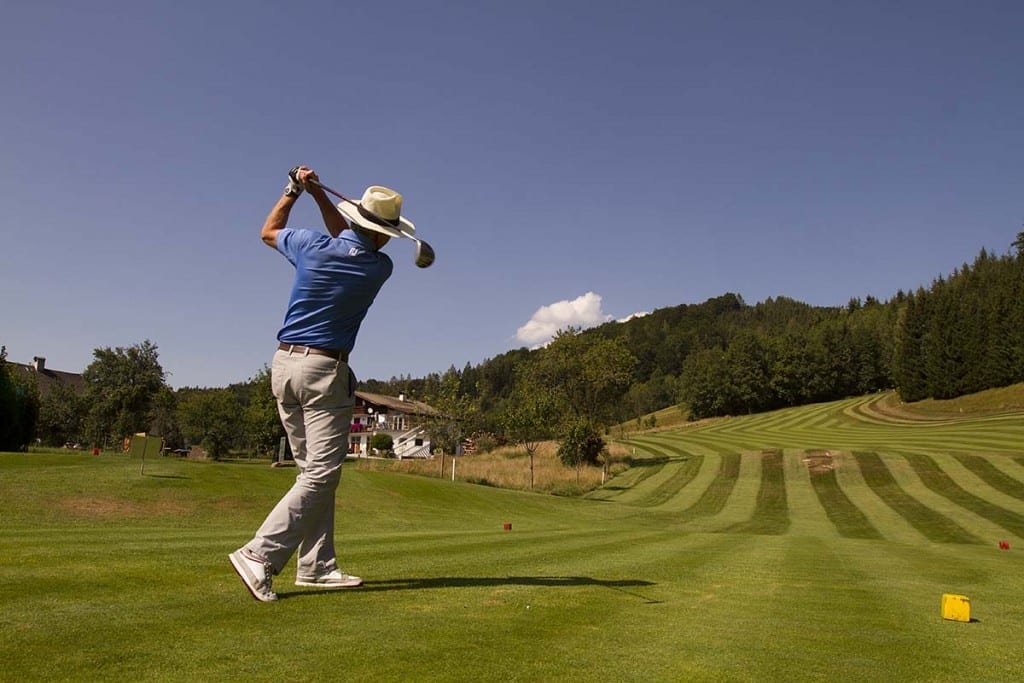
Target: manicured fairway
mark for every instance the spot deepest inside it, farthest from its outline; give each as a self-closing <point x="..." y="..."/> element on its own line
<point x="807" y="544"/>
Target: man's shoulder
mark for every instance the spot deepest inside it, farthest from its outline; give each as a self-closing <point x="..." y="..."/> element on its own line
<point x="292" y="239"/>
<point x="302" y="234"/>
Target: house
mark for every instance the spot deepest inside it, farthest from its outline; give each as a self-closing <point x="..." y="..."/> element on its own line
<point x="400" y="417"/>
<point x="45" y="378"/>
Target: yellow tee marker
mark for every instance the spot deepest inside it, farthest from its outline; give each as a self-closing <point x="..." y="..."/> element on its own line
<point x="956" y="607"/>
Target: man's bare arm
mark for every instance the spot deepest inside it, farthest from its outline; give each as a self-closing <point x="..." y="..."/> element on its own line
<point x="276" y="221"/>
<point x="333" y="220"/>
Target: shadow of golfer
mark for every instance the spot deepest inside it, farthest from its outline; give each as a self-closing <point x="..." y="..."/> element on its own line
<point x="621" y="586"/>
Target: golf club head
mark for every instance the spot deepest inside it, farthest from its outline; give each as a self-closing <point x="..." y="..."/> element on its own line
<point x="424" y="254"/>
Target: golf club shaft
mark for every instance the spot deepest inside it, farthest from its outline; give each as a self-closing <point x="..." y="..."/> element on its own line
<point x="330" y="191"/>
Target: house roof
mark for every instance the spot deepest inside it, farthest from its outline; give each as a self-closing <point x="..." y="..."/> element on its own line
<point x="398" y="404"/>
<point x="46" y="378"/>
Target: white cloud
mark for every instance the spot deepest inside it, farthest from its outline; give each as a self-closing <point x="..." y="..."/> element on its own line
<point x="584" y="311"/>
<point x="633" y="315"/>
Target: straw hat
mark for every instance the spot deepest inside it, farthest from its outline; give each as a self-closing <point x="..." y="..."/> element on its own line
<point x="379" y="210"/>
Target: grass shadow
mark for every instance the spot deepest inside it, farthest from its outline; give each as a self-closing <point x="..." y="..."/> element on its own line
<point x="430" y="583"/>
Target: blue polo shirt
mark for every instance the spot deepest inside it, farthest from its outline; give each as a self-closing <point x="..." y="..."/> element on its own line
<point x="336" y="280"/>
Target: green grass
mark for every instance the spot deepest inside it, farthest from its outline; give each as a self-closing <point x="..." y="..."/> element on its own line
<point x="991" y="475"/>
<point x="932" y="524"/>
<point x="848" y="519"/>
<point x="805" y="544"/>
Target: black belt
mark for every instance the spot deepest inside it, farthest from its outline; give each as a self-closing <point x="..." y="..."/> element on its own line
<point x="330" y="353"/>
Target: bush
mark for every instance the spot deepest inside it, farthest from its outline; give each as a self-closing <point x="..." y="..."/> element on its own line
<point x="19" y="409"/>
<point x="381" y="442"/>
<point x="581" y="445"/>
<point x="485" y="443"/>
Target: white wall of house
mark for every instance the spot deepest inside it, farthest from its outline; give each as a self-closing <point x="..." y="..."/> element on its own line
<point x="409" y="441"/>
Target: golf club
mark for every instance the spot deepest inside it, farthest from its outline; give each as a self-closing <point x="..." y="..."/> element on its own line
<point x="424" y="252"/>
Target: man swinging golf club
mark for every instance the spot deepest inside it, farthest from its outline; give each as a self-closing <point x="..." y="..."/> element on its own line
<point x="337" y="278"/>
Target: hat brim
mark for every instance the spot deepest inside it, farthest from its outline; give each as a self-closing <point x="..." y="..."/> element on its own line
<point x="351" y="213"/>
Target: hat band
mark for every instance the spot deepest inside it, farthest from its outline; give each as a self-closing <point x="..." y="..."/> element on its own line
<point x="374" y="218"/>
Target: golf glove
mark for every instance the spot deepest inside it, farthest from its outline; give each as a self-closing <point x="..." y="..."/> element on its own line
<point x="294" y="187"/>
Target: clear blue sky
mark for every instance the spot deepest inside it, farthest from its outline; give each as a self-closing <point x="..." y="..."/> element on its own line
<point x="570" y="162"/>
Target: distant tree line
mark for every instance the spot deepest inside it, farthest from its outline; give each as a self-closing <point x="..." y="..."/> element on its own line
<point x="126" y="393"/>
<point x="963" y="334"/>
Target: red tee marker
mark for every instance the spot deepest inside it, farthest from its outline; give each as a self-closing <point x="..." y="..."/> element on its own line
<point x="1004" y="545"/>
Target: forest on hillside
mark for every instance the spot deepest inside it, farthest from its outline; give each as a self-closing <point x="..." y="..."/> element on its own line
<point x="964" y="333"/>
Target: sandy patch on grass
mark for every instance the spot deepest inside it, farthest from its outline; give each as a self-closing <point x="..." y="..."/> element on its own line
<point x="819" y="462"/>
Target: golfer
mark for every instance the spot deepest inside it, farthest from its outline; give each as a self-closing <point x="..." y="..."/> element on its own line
<point x="337" y="278"/>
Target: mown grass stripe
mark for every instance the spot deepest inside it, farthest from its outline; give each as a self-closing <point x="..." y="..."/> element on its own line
<point x="934" y="526"/>
<point x="838" y="425"/>
<point x="992" y="475"/>
<point x="806" y="514"/>
<point x="659" y="441"/>
<point x="893" y="526"/>
<point x="695" y="487"/>
<point x="684" y="473"/>
<point x="941" y="483"/>
<point x="657" y="484"/>
<point x="642" y="468"/>
<point x="847" y="518"/>
<point x="717" y="494"/>
<point x="771" y="514"/>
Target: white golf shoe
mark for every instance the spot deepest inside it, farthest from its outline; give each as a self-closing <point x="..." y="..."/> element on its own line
<point x="331" y="579"/>
<point x="257" y="576"/>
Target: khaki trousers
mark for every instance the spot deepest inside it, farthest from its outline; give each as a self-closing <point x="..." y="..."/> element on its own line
<point x="315" y="397"/>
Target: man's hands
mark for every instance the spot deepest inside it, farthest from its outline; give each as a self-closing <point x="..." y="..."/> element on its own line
<point x="294" y="187"/>
<point x="298" y="179"/>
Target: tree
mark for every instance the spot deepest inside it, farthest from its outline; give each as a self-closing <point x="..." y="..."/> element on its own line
<point x="529" y="417"/>
<point x="19" y="408"/>
<point x="121" y="384"/>
<point x="454" y="415"/>
<point x="60" y="416"/>
<point x="164" y="421"/>
<point x="582" y="445"/>
<point x="262" y="420"/>
<point x="908" y="368"/>
<point x="748" y="372"/>
<point x="211" y="417"/>
<point x="706" y="388"/>
<point x="587" y="376"/>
